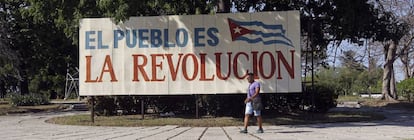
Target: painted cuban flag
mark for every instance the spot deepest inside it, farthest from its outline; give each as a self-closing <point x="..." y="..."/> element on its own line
<point x="259" y="32"/>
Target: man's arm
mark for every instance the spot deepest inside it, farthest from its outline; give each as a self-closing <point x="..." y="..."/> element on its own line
<point x="256" y="93"/>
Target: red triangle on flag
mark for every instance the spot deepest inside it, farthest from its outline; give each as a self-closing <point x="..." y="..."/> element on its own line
<point x="237" y="30"/>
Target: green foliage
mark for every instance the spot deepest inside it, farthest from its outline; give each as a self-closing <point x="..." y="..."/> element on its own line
<point x="66" y="14"/>
<point x="369" y="81"/>
<point x="129" y="104"/>
<point x="324" y="97"/>
<point x="104" y="105"/>
<point x="378" y="87"/>
<point x="177" y="104"/>
<point x="283" y="103"/>
<point x="330" y="78"/>
<point x="348" y="60"/>
<point x="28" y="100"/>
<point x="45" y="83"/>
<point x="346" y="81"/>
<point x="222" y="105"/>
<point x="36" y="51"/>
<point x="406" y="89"/>
<point x="216" y="105"/>
<point x="212" y="105"/>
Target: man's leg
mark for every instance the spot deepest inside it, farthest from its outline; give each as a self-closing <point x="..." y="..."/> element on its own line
<point x="246" y="120"/>
<point x="259" y="122"/>
<point x="247" y="113"/>
<point x="258" y="115"/>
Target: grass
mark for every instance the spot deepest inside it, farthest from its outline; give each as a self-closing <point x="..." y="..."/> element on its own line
<point x="330" y="117"/>
<point x="4" y="101"/>
<point x="342" y="98"/>
<point x="291" y="119"/>
<point x="355" y="98"/>
<point x="6" y="108"/>
<point x="70" y="99"/>
<point x="135" y="120"/>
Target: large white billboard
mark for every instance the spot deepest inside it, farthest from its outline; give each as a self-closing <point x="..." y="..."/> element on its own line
<point x="191" y="54"/>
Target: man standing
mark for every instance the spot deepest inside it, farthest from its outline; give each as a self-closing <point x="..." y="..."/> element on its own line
<point x="253" y="103"/>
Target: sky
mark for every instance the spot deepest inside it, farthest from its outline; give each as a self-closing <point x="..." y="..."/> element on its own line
<point x="362" y="53"/>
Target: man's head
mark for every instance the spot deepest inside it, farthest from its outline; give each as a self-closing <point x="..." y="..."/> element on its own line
<point x="250" y="77"/>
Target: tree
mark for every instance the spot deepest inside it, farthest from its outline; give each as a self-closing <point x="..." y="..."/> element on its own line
<point x="13" y="37"/>
<point x="406" y="54"/>
<point x="390" y="31"/>
<point x="65" y="15"/>
<point x="7" y="56"/>
<point x="318" y="18"/>
<point x="337" y="20"/>
<point x="406" y="88"/>
<point x="32" y="49"/>
<point x="349" y="60"/>
<point x="404" y="11"/>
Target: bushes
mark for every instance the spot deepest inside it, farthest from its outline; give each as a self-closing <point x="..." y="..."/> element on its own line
<point x="128" y="104"/>
<point x="217" y="105"/>
<point x="222" y="105"/>
<point x="104" y="105"/>
<point x="324" y="98"/>
<point x="346" y="81"/>
<point x="179" y="104"/>
<point x="406" y="89"/>
<point x="109" y="105"/>
<point x="28" y="100"/>
<point x="283" y="103"/>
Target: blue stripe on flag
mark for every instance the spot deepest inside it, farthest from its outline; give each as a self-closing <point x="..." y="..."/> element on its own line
<point x="259" y="23"/>
<point x="266" y="35"/>
<point x="242" y="38"/>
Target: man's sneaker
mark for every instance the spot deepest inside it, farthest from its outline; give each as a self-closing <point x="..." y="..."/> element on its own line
<point x="243" y="131"/>
<point x="260" y="130"/>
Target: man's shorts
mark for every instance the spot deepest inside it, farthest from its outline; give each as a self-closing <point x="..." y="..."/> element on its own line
<point x="249" y="110"/>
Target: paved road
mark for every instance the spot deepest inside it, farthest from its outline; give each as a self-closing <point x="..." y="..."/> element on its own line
<point x="398" y="126"/>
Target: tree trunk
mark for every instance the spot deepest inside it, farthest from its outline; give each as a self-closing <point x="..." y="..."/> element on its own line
<point x="24" y="86"/>
<point x="408" y="73"/>
<point x="388" y="84"/>
<point x="393" y="89"/>
<point x="24" y="81"/>
<point x="223" y="6"/>
<point x="406" y="62"/>
<point x="2" y="89"/>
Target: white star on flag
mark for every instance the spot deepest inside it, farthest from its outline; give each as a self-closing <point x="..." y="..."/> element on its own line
<point x="237" y="30"/>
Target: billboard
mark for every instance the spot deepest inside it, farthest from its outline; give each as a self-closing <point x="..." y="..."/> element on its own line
<point x="190" y="54"/>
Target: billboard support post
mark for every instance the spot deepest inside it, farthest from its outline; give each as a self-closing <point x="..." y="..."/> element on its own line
<point x="93" y="109"/>
<point x="196" y="105"/>
<point x="142" y="109"/>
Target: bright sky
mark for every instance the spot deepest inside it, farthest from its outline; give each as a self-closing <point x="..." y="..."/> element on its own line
<point x="362" y="54"/>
